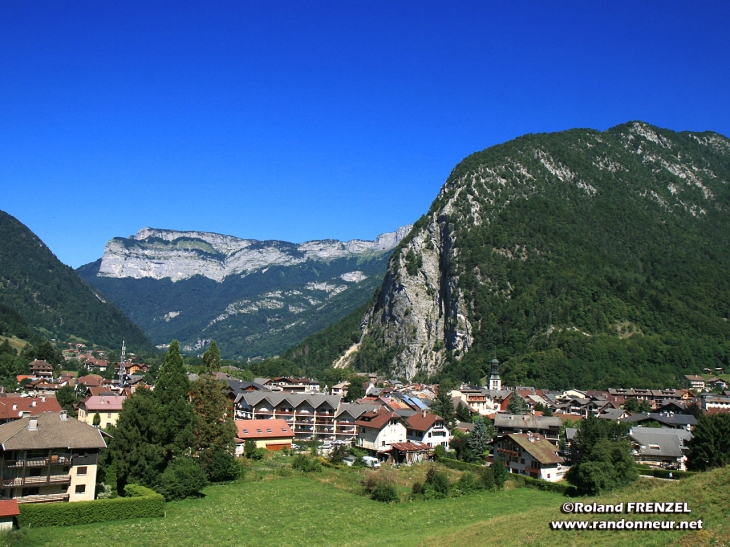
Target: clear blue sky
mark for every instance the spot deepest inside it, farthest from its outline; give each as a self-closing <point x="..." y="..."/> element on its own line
<point x="309" y="120"/>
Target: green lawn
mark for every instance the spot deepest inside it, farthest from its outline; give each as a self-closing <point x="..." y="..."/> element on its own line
<point x="293" y="511"/>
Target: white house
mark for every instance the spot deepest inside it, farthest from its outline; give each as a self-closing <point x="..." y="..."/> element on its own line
<point x="531" y="454"/>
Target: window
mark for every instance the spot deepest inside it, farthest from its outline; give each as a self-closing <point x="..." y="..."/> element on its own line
<point x="80" y="488"/>
<point x="268" y="430"/>
<point x="108" y="414"/>
<point x="81" y="470"/>
<point x="245" y="431"/>
<point x="258" y="430"/>
<point x="283" y="429"/>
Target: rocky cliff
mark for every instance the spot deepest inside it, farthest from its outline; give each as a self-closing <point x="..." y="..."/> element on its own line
<point x="161" y="254"/>
<point x="553" y="245"/>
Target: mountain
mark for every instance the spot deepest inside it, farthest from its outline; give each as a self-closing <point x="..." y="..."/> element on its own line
<point x="582" y="258"/>
<point x="37" y="289"/>
<point x="254" y="298"/>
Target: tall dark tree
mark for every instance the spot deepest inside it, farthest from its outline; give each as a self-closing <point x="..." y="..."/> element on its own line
<point x="516" y="404"/>
<point x="135" y="445"/>
<point x="213" y="426"/>
<point x="47" y="353"/>
<point x="175" y="413"/>
<point x="480" y="437"/>
<point x="212" y="359"/>
<point x="463" y="413"/>
<point x="442" y="405"/>
<point x="355" y="390"/>
<point x="710" y="446"/>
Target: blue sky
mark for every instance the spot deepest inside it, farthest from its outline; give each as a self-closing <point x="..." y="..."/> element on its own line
<point x="312" y="120"/>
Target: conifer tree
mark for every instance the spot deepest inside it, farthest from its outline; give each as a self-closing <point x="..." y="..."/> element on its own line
<point x="175" y="412"/>
<point x="480" y="437"/>
<point x="516" y="404"/>
<point x="212" y="359"/>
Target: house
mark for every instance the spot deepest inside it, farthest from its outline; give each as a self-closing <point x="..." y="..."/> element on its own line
<point x="346" y="419"/>
<point x="695" y="382"/>
<point x="108" y="407"/>
<point x="270" y="434"/>
<point x="428" y="429"/>
<point x="41" y="369"/>
<point x="378" y="430"/>
<point x="661" y="447"/>
<point x="9" y="510"/>
<point x="340" y="389"/>
<point x="547" y="426"/>
<point x="49" y="457"/>
<point x="92" y="362"/>
<point x="531" y="454"/>
<point x="15" y="408"/>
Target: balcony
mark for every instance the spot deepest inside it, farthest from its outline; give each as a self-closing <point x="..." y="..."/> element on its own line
<point x="55" y="459"/>
<point x="42" y="498"/>
<point x="36" y="481"/>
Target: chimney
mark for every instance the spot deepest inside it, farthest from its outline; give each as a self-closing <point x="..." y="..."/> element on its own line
<point x="423" y="412"/>
<point x="43" y="399"/>
<point x="32" y="403"/>
<point x="15" y="407"/>
<point x="64" y="415"/>
<point x="33" y="424"/>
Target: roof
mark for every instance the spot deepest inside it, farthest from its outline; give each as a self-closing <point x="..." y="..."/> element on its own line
<point x="52" y="432"/>
<point x="657" y="444"/>
<point x="90" y="380"/>
<point x="275" y="398"/>
<point x="9" y="508"/>
<point x="526" y="421"/>
<point x="419" y="422"/>
<point x="16" y="407"/>
<point x="377" y="419"/>
<point x="411" y="447"/>
<point x="540" y="449"/>
<point x="356" y="409"/>
<point x="103" y="403"/>
<point x="263" y="429"/>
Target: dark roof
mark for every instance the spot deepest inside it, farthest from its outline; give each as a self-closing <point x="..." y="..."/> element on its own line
<point x="51" y="432"/>
<point x="541" y="449"/>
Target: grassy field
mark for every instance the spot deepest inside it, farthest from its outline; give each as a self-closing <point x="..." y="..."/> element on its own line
<point x="16" y="343"/>
<point x="267" y="509"/>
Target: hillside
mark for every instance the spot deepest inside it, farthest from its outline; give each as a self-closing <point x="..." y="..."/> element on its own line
<point x="38" y="291"/>
<point x="584" y="258"/>
<point x="254" y="298"/>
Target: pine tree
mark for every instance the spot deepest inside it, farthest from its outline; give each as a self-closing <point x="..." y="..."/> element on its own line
<point x="516" y="404"/>
<point x="480" y="437"/>
<point x="175" y="412"/>
<point x="442" y="405"/>
<point x="212" y="359"/>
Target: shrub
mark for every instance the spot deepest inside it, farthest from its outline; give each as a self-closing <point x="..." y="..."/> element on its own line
<point x="307" y="464"/>
<point x="183" y="478"/>
<point x="469" y="483"/>
<point x="417" y="489"/>
<point x="140" y="502"/>
<point x="439" y="452"/>
<point x="220" y="465"/>
<point x="385" y="492"/>
<point x="439" y="482"/>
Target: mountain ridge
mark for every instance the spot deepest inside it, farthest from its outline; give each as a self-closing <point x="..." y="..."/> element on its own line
<point x="553" y="242"/>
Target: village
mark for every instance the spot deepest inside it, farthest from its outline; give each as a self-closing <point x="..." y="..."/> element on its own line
<point x="50" y="456"/>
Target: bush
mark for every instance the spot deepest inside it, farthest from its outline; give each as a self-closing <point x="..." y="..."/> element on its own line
<point x="219" y="466"/>
<point x="385" y="492"/>
<point x="140" y="502"/>
<point x="439" y="452"/>
<point x="183" y="478"/>
<point x="438" y="481"/>
<point x="417" y="489"/>
<point x="307" y="464"/>
<point x="468" y="483"/>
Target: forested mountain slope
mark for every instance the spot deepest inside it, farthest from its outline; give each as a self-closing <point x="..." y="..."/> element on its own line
<point x="583" y="258"/>
<point x="50" y="295"/>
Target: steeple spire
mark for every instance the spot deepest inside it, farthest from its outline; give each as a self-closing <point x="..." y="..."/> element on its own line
<point x="495" y="382"/>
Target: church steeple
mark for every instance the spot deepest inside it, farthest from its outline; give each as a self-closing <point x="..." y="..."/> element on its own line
<point x="495" y="382"/>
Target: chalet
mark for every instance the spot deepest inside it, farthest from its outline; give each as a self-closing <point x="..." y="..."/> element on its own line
<point x="340" y="389"/>
<point x="271" y="434"/>
<point x="547" y="426"/>
<point x="108" y="407"/>
<point x="531" y="454"/>
<point x="661" y="447"/>
<point x="49" y="457"/>
<point x="378" y="430"/>
<point x="428" y="429"/>
<point x="41" y="369"/>
<point x="695" y="382"/>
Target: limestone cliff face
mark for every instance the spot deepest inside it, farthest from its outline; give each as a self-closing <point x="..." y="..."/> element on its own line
<point x="177" y="255"/>
<point x="425" y="308"/>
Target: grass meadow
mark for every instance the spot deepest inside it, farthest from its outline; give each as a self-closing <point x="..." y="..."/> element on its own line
<point x="324" y="509"/>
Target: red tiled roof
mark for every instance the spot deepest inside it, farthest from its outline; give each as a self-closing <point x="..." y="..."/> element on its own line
<point x="103" y="403"/>
<point x="377" y="419"/>
<point x="11" y="408"/>
<point x="263" y="429"/>
<point x="91" y="380"/>
<point x="9" y="508"/>
<point x="411" y="447"/>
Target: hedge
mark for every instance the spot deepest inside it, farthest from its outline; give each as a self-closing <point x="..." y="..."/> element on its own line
<point x="663" y="473"/>
<point x="560" y="487"/>
<point x="140" y="502"/>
